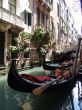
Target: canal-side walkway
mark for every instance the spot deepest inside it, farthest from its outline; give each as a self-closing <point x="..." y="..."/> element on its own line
<point x="3" y="71"/>
<point x="35" y="70"/>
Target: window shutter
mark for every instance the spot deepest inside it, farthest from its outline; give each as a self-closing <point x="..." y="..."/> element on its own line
<point x="26" y="18"/>
<point x="29" y="19"/>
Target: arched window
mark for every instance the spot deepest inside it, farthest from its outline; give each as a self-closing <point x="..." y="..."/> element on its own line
<point x="38" y="16"/>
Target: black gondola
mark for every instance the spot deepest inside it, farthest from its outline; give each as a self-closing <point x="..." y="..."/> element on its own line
<point x="18" y="83"/>
<point x="53" y="66"/>
<point x="68" y="55"/>
<point x="79" y="76"/>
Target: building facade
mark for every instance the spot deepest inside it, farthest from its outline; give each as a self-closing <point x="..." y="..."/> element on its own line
<point x="21" y="15"/>
<point x="41" y="13"/>
<point x="66" y="27"/>
<point x="25" y="15"/>
<point x="10" y="26"/>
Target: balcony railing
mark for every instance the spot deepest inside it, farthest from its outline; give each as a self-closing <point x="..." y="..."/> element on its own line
<point x="48" y="2"/>
<point x="9" y="17"/>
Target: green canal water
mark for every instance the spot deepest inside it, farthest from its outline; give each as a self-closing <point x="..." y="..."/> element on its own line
<point x="61" y="100"/>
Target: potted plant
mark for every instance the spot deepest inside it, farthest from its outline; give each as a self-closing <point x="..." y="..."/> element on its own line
<point x="14" y="51"/>
<point x="40" y="37"/>
<point x="43" y="51"/>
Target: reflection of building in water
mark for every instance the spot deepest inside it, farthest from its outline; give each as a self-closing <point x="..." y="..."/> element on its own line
<point x="68" y="105"/>
<point x="80" y="94"/>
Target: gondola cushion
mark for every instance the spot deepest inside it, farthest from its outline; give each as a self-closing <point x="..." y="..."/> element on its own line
<point x="37" y="79"/>
<point x="66" y="74"/>
<point x="58" y="72"/>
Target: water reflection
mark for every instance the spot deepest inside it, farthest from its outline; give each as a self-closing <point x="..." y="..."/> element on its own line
<point x="69" y="105"/>
<point x="61" y="100"/>
<point x="66" y="99"/>
<point x="80" y="94"/>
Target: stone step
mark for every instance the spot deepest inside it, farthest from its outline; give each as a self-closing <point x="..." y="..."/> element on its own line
<point x="2" y="67"/>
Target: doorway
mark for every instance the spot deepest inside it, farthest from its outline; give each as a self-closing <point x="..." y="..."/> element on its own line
<point x="1" y="48"/>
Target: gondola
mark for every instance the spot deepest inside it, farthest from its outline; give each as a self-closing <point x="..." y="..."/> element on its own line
<point x="20" y="83"/>
<point x="79" y="76"/>
<point x="68" y="56"/>
<point x="53" y="66"/>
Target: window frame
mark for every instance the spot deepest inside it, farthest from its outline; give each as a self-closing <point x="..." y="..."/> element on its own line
<point x="10" y="5"/>
<point x="27" y="16"/>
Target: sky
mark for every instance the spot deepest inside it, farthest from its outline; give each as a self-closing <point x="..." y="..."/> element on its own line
<point x="76" y="12"/>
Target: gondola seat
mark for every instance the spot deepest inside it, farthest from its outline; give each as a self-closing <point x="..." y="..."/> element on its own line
<point x="35" y="79"/>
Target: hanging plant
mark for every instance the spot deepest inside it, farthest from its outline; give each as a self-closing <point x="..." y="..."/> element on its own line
<point x="13" y="49"/>
<point x="26" y="36"/>
<point x="40" y="37"/>
<point x="43" y="51"/>
<point x="45" y="38"/>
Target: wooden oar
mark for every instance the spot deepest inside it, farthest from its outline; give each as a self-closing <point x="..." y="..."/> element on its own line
<point x="40" y="89"/>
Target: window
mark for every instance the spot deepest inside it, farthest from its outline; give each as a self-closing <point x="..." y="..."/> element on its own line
<point x="38" y="16"/>
<point x="0" y="2"/>
<point x="72" y="25"/>
<point x="28" y="18"/>
<point x="58" y="32"/>
<point x="43" y="18"/>
<point x="12" y="6"/>
<point x="58" y="9"/>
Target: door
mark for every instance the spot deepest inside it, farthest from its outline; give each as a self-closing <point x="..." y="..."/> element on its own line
<point x="1" y="48"/>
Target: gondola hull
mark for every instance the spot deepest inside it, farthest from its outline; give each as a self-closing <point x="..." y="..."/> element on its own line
<point x="79" y="76"/>
<point x="56" y="65"/>
<point x="23" y="85"/>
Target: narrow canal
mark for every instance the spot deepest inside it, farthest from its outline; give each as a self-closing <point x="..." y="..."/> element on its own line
<point x="60" y="100"/>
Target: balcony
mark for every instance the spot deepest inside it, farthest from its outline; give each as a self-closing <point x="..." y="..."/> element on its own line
<point x="48" y="3"/>
<point x="9" y="17"/>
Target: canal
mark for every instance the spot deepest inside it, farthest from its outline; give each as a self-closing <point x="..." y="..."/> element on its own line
<point x="59" y="100"/>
